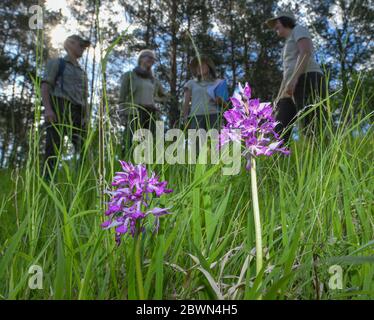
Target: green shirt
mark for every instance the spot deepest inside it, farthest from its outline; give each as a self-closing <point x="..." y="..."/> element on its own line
<point x="139" y="91"/>
<point x="75" y="84"/>
<point x="291" y="52"/>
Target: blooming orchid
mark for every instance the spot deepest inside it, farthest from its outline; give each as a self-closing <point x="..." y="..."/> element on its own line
<point x="129" y="200"/>
<point x="256" y="125"/>
<point x="252" y="122"/>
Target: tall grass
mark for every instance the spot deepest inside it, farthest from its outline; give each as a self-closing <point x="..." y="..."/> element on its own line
<point x="316" y="211"/>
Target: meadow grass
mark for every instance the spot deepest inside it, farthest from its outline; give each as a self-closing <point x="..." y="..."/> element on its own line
<point x="316" y="208"/>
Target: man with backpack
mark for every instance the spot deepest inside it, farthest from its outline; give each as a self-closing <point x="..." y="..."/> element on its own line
<point x="64" y="93"/>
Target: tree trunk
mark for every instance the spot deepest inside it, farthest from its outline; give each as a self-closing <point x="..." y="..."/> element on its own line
<point x="148" y="24"/>
<point x="232" y="44"/>
<point x="173" y="113"/>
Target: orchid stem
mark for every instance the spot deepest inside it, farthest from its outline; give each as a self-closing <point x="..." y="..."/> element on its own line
<point x="256" y="216"/>
<point x="138" y="267"/>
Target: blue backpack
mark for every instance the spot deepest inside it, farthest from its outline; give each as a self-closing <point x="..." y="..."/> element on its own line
<point x="222" y="91"/>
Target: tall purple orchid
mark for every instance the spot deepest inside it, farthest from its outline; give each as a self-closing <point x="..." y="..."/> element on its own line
<point x="252" y="122"/>
<point x="256" y="125"/>
<point x="129" y="201"/>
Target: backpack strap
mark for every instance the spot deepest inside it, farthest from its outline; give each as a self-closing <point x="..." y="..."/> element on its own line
<point x="60" y="73"/>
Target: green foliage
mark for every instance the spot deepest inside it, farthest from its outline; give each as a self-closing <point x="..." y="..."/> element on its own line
<point x="316" y="211"/>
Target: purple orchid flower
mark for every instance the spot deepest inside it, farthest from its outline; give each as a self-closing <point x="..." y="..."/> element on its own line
<point x="133" y="189"/>
<point x="256" y="125"/>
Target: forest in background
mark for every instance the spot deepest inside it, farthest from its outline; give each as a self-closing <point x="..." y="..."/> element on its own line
<point x="231" y="32"/>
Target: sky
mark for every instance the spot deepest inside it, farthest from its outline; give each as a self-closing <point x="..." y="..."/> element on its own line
<point x="61" y="31"/>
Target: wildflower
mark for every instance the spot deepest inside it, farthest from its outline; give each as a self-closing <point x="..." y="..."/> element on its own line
<point x="256" y="124"/>
<point x="129" y="201"/>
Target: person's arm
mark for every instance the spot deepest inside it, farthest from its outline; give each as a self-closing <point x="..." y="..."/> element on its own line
<point x="161" y="95"/>
<point x="305" y="48"/>
<point x="186" y="104"/>
<point x="124" y="90"/>
<point x="50" y="116"/>
<point x="49" y="80"/>
<point x="87" y="109"/>
<point x="281" y="92"/>
<point x="220" y="102"/>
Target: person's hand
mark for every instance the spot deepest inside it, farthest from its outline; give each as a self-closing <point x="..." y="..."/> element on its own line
<point x="290" y="87"/>
<point x="50" y="116"/>
<point x="221" y="103"/>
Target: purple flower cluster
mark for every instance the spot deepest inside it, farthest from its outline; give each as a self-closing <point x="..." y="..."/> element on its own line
<point x="252" y="122"/>
<point x="130" y="199"/>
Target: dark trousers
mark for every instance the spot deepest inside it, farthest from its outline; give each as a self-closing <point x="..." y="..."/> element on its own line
<point x="138" y="119"/>
<point x="69" y="122"/>
<point x="310" y="88"/>
<point x="206" y="122"/>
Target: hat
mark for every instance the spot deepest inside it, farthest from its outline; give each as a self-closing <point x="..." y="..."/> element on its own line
<point x="83" y="42"/>
<point x="197" y="61"/>
<point x="146" y="53"/>
<point x="272" y="21"/>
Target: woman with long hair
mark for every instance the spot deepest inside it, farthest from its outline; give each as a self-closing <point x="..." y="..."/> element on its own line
<point x="202" y="102"/>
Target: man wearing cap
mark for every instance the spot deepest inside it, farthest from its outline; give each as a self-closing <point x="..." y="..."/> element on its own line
<point x="64" y="93"/>
<point x="139" y="92"/>
<point x="302" y="76"/>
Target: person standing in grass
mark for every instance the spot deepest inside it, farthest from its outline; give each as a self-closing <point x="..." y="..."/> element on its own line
<point x="139" y="92"/>
<point x="202" y="105"/>
<point x="303" y="80"/>
<point x="64" y="92"/>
